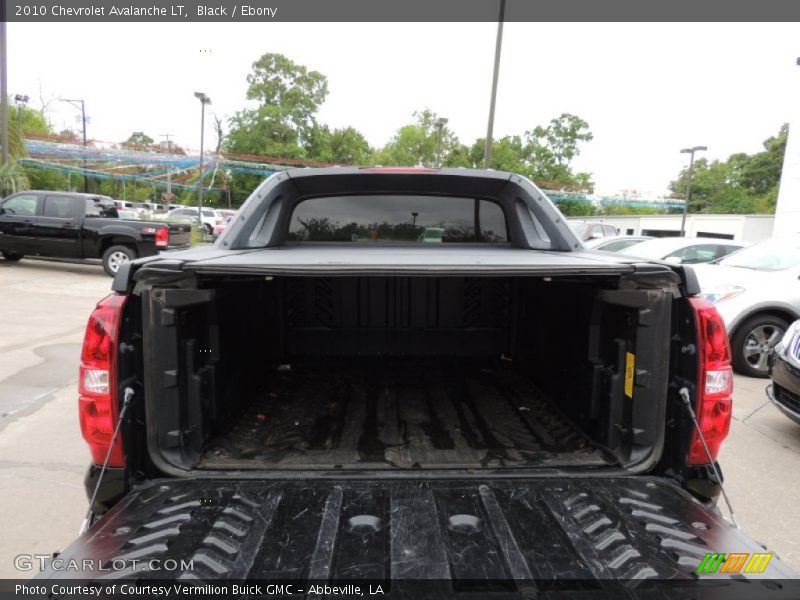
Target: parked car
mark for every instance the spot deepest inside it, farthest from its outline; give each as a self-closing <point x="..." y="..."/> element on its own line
<point x="74" y="225"/>
<point x="152" y="207"/>
<point x="784" y="370"/>
<point x="124" y="205"/>
<point x="592" y="230"/>
<point x="219" y="228"/>
<point x="757" y="292"/>
<point x="128" y="214"/>
<point x="684" y="250"/>
<point x="615" y="243"/>
<point x="320" y="398"/>
<point x="209" y="218"/>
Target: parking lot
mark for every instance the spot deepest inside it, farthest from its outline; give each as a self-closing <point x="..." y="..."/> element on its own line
<point x="45" y="304"/>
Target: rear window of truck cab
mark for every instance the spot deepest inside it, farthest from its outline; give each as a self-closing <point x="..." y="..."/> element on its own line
<point x="398" y="219"/>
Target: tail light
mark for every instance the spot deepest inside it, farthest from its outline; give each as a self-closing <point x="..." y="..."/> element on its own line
<point x="162" y="237"/>
<point x="98" y="405"/>
<point x="715" y="382"/>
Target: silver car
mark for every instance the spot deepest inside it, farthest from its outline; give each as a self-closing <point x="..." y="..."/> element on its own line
<point x="757" y="292"/>
<point x="684" y="250"/>
<point x="615" y="243"/>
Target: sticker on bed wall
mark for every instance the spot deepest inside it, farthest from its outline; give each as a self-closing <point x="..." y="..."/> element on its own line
<point x="630" y="370"/>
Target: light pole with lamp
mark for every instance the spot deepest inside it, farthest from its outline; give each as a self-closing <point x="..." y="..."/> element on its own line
<point x="204" y="99"/>
<point x="82" y="107"/>
<point x="21" y="101"/>
<point x="439" y="124"/>
<point x="690" y="152"/>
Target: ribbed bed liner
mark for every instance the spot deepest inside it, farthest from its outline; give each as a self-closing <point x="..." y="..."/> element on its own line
<point x="399" y="414"/>
<point x="545" y="539"/>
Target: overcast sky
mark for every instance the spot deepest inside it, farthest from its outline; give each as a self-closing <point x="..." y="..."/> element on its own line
<point x="646" y="90"/>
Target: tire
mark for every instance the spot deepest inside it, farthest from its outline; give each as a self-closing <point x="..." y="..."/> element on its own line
<point x="752" y="343"/>
<point x="12" y="256"/>
<point x="209" y="229"/>
<point x="116" y="256"/>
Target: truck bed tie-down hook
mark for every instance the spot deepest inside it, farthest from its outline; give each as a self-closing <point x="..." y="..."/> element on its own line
<point x="684" y="394"/>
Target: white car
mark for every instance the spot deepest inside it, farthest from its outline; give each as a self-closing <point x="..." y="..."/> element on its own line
<point x="615" y="243"/>
<point x="209" y="218"/>
<point x="684" y="250"/>
<point x="757" y="292"/>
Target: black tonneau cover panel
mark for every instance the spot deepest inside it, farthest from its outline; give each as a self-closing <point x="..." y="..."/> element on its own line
<point x="497" y="537"/>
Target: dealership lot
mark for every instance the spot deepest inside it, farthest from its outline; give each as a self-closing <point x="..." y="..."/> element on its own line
<point x="43" y="459"/>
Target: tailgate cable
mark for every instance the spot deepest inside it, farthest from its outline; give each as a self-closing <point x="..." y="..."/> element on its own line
<point x="684" y="394"/>
<point x="126" y="402"/>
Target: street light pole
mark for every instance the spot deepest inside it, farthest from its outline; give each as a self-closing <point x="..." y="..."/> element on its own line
<point x="3" y="94"/>
<point x="203" y="101"/>
<point x="21" y="101"/>
<point x="83" y="121"/>
<point x="487" y="153"/>
<point x="439" y="124"/>
<point x="169" y="168"/>
<point x="690" y="152"/>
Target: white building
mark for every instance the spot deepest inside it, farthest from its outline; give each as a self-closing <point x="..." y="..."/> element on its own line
<point x="742" y="228"/>
<point x="787" y="212"/>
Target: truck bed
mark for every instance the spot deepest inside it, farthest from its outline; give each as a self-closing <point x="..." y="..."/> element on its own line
<point x="526" y="538"/>
<point x="372" y="413"/>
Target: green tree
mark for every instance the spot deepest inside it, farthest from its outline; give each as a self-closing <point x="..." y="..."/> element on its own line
<point x="345" y="146"/>
<point x="28" y="120"/>
<point x="287" y="97"/>
<point x="745" y="183"/>
<point x="12" y="178"/>
<point x="419" y="143"/>
<point x="543" y="154"/>
<point x="137" y="138"/>
<point x="16" y="141"/>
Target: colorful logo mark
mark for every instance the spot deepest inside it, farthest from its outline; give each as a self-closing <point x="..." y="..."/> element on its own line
<point x="735" y="562"/>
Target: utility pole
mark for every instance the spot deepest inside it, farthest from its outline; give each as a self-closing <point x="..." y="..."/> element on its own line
<point x="83" y="121"/>
<point x="439" y="124"/>
<point x="690" y="152"/>
<point x="487" y="153"/>
<point x="169" y="168"/>
<point x="3" y="91"/>
<point x="204" y="99"/>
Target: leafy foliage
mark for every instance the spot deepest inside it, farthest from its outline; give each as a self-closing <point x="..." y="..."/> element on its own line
<point x="137" y="138"/>
<point x="419" y="143"/>
<point x="12" y="178"/>
<point x="346" y="146"/>
<point x="28" y="120"/>
<point x="745" y="183"/>
<point x="287" y="97"/>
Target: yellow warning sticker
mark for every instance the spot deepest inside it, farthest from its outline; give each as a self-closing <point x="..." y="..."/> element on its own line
<point x="630" y="370"/>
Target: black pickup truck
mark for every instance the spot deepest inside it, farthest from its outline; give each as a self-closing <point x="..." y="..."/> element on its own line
<point x="412" y="378"/>
<point x="75" y="225"/>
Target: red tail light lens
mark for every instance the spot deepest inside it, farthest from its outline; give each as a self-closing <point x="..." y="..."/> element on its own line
<point x="715" y="381"/>
<point x="162" y="237"/>
<point x="98" y="405"/>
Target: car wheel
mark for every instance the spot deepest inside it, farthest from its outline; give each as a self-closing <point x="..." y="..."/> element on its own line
<point x="753" y="342"/>
<point x="115" y="257"/>
<point x="209" y="229"/>
<point x="12" y="256"/>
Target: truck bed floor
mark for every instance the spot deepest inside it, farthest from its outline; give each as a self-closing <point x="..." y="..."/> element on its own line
<point x="410" y="414"/>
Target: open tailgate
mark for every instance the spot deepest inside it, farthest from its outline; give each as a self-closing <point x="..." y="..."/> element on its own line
<point x="545" y="538"/>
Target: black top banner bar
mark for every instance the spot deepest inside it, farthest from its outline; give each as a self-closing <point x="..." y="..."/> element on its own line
<point x="187" y="11"/>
